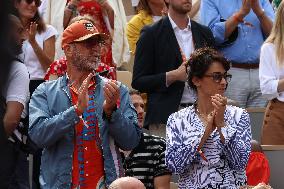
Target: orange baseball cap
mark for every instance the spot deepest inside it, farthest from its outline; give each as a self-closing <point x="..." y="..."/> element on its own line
<point x="80" y="31"/>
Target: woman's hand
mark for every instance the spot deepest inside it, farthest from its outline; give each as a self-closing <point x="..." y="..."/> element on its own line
<point x="32" y="32"/>
<point x="219" y="103"/>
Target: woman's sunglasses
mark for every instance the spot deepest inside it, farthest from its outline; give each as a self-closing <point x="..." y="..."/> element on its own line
<point x="37" y="2"/>
<point x="218" y="76"/>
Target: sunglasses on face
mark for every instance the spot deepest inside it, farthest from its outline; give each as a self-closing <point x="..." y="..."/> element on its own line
<point x="218" y="76"/>
<point x="93" y="42"/>
<point x="37" y="2"/>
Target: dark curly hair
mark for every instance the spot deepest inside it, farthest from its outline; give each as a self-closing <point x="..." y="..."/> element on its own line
<point x="200" y="61"/>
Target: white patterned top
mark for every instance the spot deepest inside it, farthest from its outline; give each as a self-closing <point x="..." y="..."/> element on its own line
<point x="225" y="168"/>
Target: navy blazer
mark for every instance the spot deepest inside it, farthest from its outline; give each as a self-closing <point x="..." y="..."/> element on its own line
<point x="158" y="52"/>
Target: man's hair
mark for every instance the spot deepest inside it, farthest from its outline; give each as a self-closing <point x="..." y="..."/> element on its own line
<point x="200" y="61"/>
<point x="134" y="92"/>
<point x="129" y="182"/>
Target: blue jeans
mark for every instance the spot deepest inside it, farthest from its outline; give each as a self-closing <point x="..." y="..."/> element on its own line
<point x="244" y="88"/>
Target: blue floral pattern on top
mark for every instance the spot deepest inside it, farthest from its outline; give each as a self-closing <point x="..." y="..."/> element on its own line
<point x="225" y="168"/>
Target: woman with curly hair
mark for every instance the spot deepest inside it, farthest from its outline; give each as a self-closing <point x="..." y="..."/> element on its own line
<point x="208" y="143"/>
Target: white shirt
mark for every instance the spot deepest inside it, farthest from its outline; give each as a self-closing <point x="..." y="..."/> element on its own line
<point x="17" y="86"/>
<point x="134" y="3"/>
<point x="270" y="73"/>
<point x="156" y="18"/>
<point x="184" y="38"/>
<point x="29" y="57"/>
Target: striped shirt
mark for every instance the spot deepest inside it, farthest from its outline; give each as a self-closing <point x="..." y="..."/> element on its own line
<point x="147" y="160"/>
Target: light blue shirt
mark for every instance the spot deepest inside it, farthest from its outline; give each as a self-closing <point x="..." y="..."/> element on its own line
<point x="246" y="48"/>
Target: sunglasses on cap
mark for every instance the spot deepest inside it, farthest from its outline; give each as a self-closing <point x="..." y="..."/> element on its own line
<point x="218" y="76"/>
<point x="37" y="2"/>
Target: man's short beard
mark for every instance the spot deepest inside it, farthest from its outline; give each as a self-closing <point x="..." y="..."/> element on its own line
<point x="180" y="10"/>
<point x="85" y="63"/>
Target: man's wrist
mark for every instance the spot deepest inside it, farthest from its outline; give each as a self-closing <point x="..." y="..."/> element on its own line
<point x="241" y="14"/>
<point x="260" y="14"/>
<point x="109" y="111"/>
<point x="32" y="41"/>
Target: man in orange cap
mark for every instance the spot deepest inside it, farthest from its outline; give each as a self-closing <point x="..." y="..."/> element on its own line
<point x="81" y="118"/>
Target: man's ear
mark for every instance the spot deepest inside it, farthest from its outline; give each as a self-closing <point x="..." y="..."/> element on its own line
<point x="67" y="50"/>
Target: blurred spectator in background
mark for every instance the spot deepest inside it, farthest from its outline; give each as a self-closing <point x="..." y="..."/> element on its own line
<point x="146" y="161"/>
<point x="7" y="157"/>
<point x="39" y="49"/>
<point x="194" y="14"/>
<point x="271" y="76"/>
<point x="16" y="95"/>
<point x="240" y="28"/>
<point x="52" y="12"/>
<point x="127" y="183"/>
<point x="258" y="170"/>
<point x="149" y="11"/>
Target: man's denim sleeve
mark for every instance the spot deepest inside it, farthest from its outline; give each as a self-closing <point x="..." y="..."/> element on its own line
<point x="123" y="126"/>
<point x="44" y="128"/>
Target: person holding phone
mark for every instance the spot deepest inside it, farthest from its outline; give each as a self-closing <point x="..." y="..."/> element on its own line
<point x="208" y="143"/>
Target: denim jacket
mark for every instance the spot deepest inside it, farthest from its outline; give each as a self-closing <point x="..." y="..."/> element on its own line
<point x="51" y="126"/>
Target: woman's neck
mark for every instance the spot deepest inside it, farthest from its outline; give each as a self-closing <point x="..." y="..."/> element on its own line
<point x="26" y="22"/>
<point x="204" y="105"/>
<point x="181" y="20"/>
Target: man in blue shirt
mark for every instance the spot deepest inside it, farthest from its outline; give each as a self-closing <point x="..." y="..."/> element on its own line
<point x="239" y="28"/>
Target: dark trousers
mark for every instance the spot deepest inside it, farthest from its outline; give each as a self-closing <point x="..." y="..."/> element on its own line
<point x="37" y="156"/>
<point x="8" y="159"/>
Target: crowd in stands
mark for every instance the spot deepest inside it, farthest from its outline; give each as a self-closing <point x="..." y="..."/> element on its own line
<point x="68" y="122"/>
